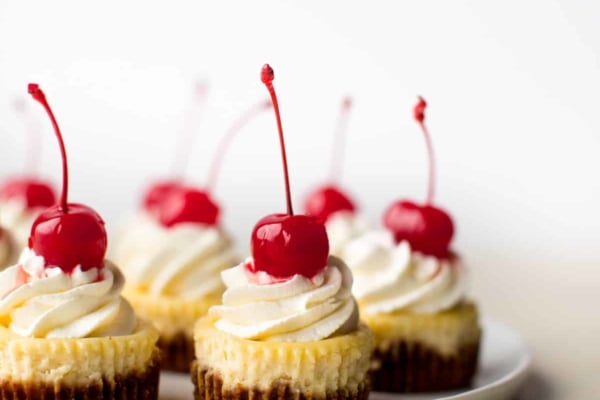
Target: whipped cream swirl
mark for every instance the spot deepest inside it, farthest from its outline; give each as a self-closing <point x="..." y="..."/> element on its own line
<point x="46" y="302"/>
<point x="183" y="261"/>
<point x="390" y="277"/>
<point x="342" y="227"/>
<point x="17" y="219"/>
<point x="295" y="310"/>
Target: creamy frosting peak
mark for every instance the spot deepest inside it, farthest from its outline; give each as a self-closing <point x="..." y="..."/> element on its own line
<point x="343" y="226"/>
<point x="391" y="277"/>
<point x="298" y="309"/>
<point x="38" y="301"/>
<point x="184" y="261"/>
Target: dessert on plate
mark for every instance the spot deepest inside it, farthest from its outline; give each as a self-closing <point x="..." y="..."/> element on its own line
<point x="331" y="204"/>
<point x="172" y="255"/>
<point x="288" y="327"/>
<point x="65" y="330"/>
<point x="411" y="289"/>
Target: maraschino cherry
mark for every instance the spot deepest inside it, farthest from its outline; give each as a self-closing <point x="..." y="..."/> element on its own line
<point x="428" y="229"/>
<point x="67" y="234"/>
<point x="30" y="191"/>
<point x="159" y="190"/>
<point x="186" y="204"/>
<point x="284" y="245"/>
<point x="330" y="198"/>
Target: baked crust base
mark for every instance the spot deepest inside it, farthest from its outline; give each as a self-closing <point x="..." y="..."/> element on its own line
<point x="412" y="367"/>
<point x="134" y="386"/>
<point x="209" y="386"/>
<point x="177" y="352"/>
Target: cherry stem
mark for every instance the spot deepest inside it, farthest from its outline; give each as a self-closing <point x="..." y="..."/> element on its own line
<point x="190" y="125"/>
<point x="36" y="92"/>
<point x="242" y="121"/>
<point x="339" y="144"/>
<point x="267" y="75"/>
<point x="419" y="113"/>
<point x="33" y="133"/>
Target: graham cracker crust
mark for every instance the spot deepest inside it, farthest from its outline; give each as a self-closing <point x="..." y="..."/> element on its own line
<point x="177" y="353"/>
<point x="412" y="368"/>
<point x="140" y="386"/>
<point x="209" y="386"/>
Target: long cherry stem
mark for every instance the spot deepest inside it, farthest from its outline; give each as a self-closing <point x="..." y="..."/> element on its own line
<point x="37" y="93"/>
<point x="339" y="142"/>
<point x="267" y="75"/>
<point x="419" y="114"/>
<point x="242" y="121"/>
<point x="33" y="135"/>
<point x="188" y="131"/>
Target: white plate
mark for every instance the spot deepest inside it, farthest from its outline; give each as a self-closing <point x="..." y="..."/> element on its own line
<point x="503" y="367"/>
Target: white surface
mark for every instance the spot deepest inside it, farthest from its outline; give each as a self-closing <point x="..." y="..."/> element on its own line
<point x="513" y="88"/>
<point x="505" y="360"/>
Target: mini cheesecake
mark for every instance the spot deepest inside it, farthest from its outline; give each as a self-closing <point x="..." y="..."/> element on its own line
<point x="425" y="352"/>
<point x="228" y="367"/>
<point x="117" y="367"/>
<point x="288" y="327"/>
<point x="65" y="330"/>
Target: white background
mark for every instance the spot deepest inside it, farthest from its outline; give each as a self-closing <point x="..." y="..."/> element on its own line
<point x="514" y="94"/>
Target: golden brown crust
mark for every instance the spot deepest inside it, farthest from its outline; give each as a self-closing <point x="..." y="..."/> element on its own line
<point x="410" y="367"/>
<point x="177" y="352"/>
<point x="209" y="386"/>
<point x="134" y="386"/>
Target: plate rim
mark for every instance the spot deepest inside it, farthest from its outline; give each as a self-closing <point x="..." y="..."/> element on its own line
<point x="519" y="371"/>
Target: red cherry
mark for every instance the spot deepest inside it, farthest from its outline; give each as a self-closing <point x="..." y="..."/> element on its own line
<point x="32" y="192"/>
<point x="284" y="245"/>
<point x="326" y="201"/>
<point x="188" y="205"/>
<point x="156" y="194"/>
<point x="67" y="234"/>
<point x="68" y="239"/>
<point x="173" y="203"/>
<point x="428" y="229"/>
